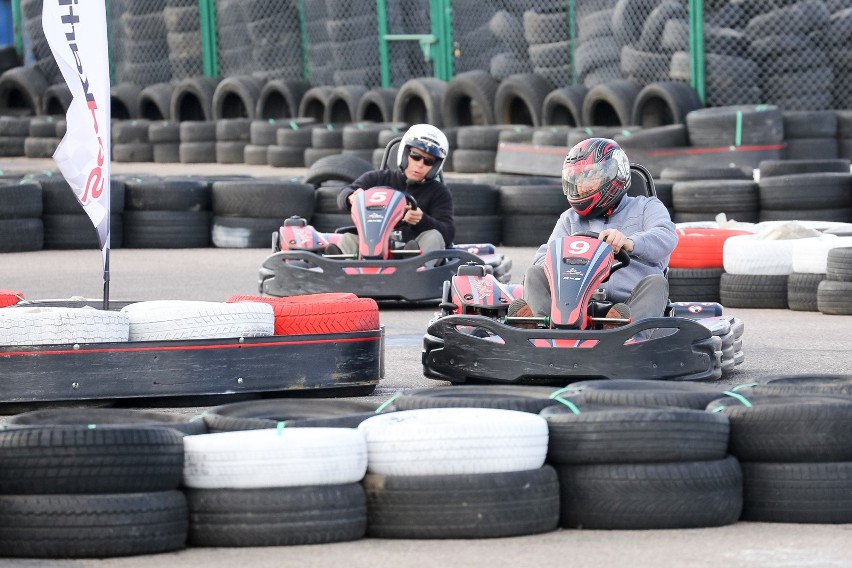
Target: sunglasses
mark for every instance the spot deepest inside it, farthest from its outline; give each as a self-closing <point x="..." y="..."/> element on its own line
<point x="417" y="157"/>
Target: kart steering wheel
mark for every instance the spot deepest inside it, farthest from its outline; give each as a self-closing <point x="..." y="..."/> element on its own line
<point x="411" y="201"/>
<point x="622" y="259"/>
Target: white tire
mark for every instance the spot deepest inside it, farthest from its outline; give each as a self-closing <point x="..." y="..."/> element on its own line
<point x="60" y="326"/>
<point x="810" y="256"/>
<point x="289" y="457"/>
<point x="451" y="441"/>
<point x="746" y="254"/>
<point x="178" y="319"/>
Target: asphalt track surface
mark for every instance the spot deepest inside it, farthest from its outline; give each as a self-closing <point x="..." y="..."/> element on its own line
<point x="775" y="342"/>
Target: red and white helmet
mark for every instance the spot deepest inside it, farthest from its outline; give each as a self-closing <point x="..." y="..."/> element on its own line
<point x="595" y="176"/>
<point x="428" y="139"/>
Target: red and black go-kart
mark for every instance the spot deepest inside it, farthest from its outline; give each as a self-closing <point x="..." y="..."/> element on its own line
<point x="383" y="269"/>
<point x="472" y="338"/>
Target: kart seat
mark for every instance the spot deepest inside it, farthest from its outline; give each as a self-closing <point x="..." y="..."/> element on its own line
<point x="641" y="182"/>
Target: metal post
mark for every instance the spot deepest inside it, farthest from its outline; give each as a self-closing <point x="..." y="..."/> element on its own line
<point x="17" y="29"/>
<point x="303" y="36"/>
<point x="384" y="49"/>
<point x="572" y="37"/>
<point x="209" y="45"/>
<point x="696" y="46"/>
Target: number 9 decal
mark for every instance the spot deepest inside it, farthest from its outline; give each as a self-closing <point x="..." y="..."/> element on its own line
<point x="578" y="247"/>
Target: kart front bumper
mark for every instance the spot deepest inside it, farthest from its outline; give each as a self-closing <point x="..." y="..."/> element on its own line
<point x="680" y="349"/>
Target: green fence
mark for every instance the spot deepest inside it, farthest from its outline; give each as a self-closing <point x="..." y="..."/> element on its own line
<point x="795" y="54"/>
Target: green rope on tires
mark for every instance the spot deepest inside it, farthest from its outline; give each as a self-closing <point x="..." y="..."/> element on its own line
<point x="386" y="403"/>
<point x="567" y="403"/>
<point x="739" y="397"/>
<point x="279" y="429"/>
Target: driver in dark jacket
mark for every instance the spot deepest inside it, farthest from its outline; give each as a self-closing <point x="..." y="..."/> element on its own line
<point x="420" y="159"/>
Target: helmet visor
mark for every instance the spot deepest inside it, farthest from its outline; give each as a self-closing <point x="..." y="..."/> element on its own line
<point x="431" y="147"/>
<point x="582" y="179"/>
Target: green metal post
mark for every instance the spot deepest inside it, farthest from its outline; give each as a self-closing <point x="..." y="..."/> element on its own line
<point x="572" y="36"/>
<point x="303" y="36"/>
<point x="384" y="49"/>
<point x="441" y="15"/>
<point x="209" y="45"/>
<point x="696" y="46"/>
<point x="17" y="29"/>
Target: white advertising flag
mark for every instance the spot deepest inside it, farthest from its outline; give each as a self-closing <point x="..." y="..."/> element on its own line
<point x="77" y="33"/>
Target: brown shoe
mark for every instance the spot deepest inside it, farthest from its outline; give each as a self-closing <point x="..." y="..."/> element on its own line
<point x="520" y="309"/>
<point x="617" y="311"/>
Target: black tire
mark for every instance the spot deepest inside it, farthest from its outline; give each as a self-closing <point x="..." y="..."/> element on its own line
<point x="56" y="100"/>
<point x="532" y="399"/>
<point x="806" y="191"/>
<point x="753" y="291"/>
<point x="342" y="103"/>
<point x="797" y="492"/>
<point x="243" y="232"/>
<point x="791" y="429"/>
<point x="278" y="516"/>
<point x="601" y="435"/>
<point x="473" y="161"/>
<point x="610" y="104"/>
<point x="376" y="105"/>
<point x="819" y="384"/>
<point x="564" y="106"/>
<point x="107" y="417"/>
<point x="760" y="125"/>
<point x="703" y="196"/>
<point x="420" y="101"/>
<point x="772" y="168"/>
<point x="839" y="264"/>
<point x="280" y="99"/>
<point x="41" y="460"/>
<point x="668" y="136"/>
<point x="314" y="102"/>
<point x="469" y="99"/>
<point x="21" y="235"/>
<point x="166" y="229"/>
<point x="664" y="102"/>
<point x="192" y="99"/>
<point x="694" y="284"/>
<point x="167" y="194"/>
<point x="520" y="99"/>
<point x="21" y="201"/>
<point x="154" y="102"/>
<point x="486" y="505"/>
<point x="72" y="526"/>
<point x="474" y="198"/>
<point x="645" y="496"/>
<point x="689" y="174"/>
<point x="262" y="199"/>
<point x="802" y="291"/>
<point x="527" y="230"/>
<point x="302" y="413"/>
<point x="21" y="91"/>
<point x="337" y="167"/>
<point x="835" y="297"/>
<point x="648" y="393"/>
<point x="236" y="97"/>
<point x="546" y="199"/>
<point x="75" y="231"/>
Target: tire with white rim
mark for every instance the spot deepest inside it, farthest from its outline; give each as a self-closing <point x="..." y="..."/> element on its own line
<point x="182" y="319"/>
<point x="274" y="457"/>
<point x="55" y="325"/>
<point x="444" y="441"/>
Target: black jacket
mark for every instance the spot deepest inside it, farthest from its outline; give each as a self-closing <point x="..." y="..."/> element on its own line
<point x="432" y="197"/>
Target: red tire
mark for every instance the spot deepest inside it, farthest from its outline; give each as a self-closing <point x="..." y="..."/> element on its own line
<point x="9" y="298"/>
<point x="701" y="248"/>
<point x="319" y="313"/>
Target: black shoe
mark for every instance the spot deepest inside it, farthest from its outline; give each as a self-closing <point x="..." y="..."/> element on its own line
<point x="332" y="249"/>
<point x="520" y="309"/>
<point x="412" y="245"/>
<point x="617" y="311"/>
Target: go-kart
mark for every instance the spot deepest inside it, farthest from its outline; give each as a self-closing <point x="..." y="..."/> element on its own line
<point x="383" y="268"/>
<point x="473" y="339"/>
